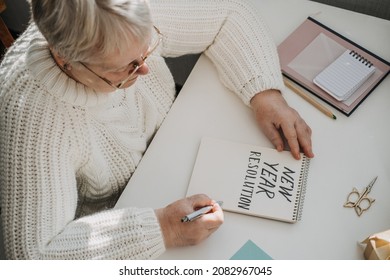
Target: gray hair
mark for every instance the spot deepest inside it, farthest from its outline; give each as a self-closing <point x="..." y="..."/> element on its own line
<point x="81" y="30"/>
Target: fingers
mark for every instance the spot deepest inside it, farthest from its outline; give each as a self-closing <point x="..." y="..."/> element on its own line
<point x="273" y="134"/>
<point x="200" y="200"/>
<point x="279" y="121"/>
<point x="200" y="229"/>
<point x="304" y="138"/>
<point x="291" y="137"/>
<point x="208" y="223"/>
<point x="298" y="135"/>
<point x="214" y="218"/>
<point x="177" y="233"/>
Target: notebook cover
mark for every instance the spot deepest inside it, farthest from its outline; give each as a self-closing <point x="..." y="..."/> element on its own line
<point x="311" y="48"/>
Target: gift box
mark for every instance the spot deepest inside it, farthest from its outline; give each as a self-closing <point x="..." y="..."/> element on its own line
<point x="377" y="246"/>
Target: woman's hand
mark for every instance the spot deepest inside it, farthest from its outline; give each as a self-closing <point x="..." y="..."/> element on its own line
<point x="278" y="120"/>
<point x="176" y="233"/>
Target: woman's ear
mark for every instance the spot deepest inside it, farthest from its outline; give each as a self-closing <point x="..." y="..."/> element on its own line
<point x="61" y="62"/>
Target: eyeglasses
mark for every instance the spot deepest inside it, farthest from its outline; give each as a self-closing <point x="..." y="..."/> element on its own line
<point x="133" y="66"/>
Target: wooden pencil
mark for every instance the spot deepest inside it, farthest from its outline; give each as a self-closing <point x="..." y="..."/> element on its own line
<point x="309" y="99"/>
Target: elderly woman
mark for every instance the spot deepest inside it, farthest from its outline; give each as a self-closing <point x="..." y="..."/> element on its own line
<point x="83" y="91"/>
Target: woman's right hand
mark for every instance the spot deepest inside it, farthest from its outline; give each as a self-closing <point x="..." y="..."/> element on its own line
<point x="176" y="233"/>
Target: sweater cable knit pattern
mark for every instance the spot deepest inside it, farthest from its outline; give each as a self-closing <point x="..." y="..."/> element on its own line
<point x="67" y="152"/>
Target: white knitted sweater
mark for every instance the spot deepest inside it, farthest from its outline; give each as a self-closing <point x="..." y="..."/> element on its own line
<point x="67" y="152"/>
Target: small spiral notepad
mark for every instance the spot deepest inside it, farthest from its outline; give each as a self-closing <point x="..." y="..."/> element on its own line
<point x="345" y="75"/>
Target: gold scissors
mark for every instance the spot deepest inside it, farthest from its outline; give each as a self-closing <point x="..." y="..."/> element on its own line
<point x="360" y="201"/>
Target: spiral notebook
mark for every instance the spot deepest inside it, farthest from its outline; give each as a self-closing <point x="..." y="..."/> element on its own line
<point x="250" y="179"/>
<point x="345" y="75"/>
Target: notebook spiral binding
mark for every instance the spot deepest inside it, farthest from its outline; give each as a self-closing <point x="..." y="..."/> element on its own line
<point x="298" y="207"/>
<point x="361" y="58"/>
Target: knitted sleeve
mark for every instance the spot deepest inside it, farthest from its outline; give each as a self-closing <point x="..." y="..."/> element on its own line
<point x="231" y="33"/>
<point x="42" y="145"/>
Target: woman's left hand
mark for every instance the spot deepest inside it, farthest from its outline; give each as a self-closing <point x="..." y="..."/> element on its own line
<point x="278" y="120"/>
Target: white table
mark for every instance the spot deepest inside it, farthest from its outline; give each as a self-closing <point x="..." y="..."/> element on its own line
<point x="349" y="152"/>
